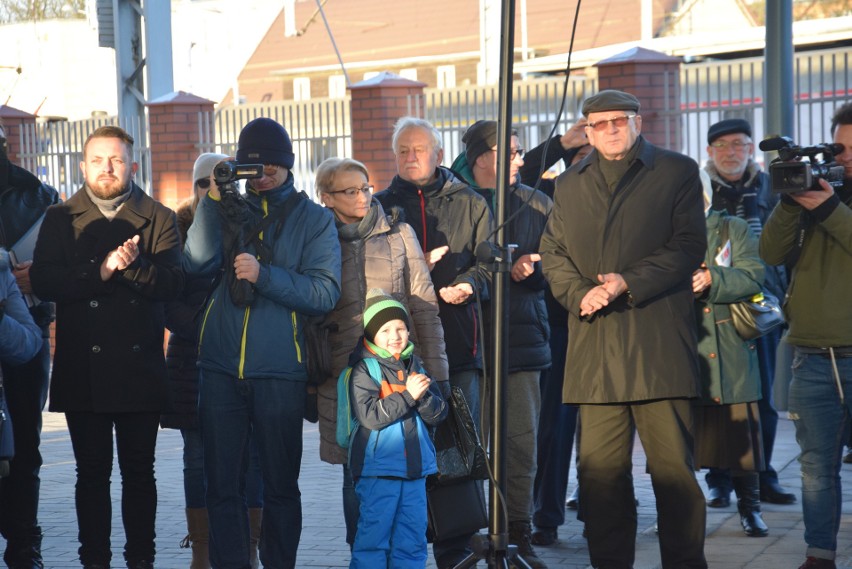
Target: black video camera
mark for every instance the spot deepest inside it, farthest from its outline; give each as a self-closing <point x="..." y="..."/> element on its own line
<point x="230" y="171"/>
<point x="789" y="174"/>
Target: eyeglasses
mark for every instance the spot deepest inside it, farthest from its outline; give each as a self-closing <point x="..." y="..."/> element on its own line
<point x="603" y="124"/>
<point x="513" y="153"/>
<point x="203" y="183"/>
<point x="353" y="191"/>
<point x="735" y="144"/>
<point x="270" y="169"/>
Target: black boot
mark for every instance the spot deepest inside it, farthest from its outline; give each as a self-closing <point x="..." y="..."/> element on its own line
<point x="25" y="553"/>
<point x="748" y="504"/>
<point x="519" y="535"/>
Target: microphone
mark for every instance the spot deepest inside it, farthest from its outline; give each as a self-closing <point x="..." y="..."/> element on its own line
<point x="776" y="143"/>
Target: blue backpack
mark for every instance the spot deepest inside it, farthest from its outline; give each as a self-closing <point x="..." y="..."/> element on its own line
<point x="347" y="424"/>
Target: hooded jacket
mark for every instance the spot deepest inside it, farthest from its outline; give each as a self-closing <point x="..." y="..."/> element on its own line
<point x="529" y="330"/>
<point x="448" y="212"/>
<point x="23" y="200"/>
<point x="300" y="277"/>
<point x="392" y="437"/>
<point x="378" y="252"/>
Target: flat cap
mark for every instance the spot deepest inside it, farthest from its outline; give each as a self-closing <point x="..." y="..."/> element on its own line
<point x="610" y="100"/>
<point x="728" y="126"/>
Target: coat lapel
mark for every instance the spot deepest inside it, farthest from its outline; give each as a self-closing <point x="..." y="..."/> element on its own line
<point x="95" y="235"/>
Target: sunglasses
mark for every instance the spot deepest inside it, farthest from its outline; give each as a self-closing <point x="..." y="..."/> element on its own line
<point x="602" y="125"/>
<point x="203" y="183"/>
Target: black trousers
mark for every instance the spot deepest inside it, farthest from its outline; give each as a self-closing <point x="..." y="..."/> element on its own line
<point x="26" y="392"/>
<point x="135" y="438"/>
<point x="606" y="482"/>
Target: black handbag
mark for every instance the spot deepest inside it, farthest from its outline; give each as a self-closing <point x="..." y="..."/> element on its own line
<point x="758" y="315"/>
<point x="7" y="441"/>
<point x="455" y="510"/>
<point x="459" y="454"/>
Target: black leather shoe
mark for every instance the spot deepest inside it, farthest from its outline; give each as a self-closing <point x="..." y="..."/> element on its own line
<point x="773" y="493"/>
<point x="544" y="536"/>
<point x="718" y="498"/>
<point x="753" y="524"/>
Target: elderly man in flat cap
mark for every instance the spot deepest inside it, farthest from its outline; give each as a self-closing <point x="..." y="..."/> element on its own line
<point x="626" y="233"/>
<point x="742" y="189"/>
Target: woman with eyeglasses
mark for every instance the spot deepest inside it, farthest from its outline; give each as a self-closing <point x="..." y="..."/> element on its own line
<point x="377" y="251"/>
<point x="182" y="320"/>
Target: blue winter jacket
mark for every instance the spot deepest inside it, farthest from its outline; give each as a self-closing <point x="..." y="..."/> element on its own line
<point x="300" y="277"/>
<point x="20" y="338"/>
<point x="392" y="437"/>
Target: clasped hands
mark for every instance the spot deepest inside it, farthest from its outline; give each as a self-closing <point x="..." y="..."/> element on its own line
<point x="120" y="258"/>
<point x="612" y="286"/>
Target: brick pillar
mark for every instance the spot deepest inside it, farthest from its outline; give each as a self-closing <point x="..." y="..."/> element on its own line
<point x="377" y="104"/>
<point x="174" y="139"/>
<point x="12" y="121"/>
<point x="654" y="78"/>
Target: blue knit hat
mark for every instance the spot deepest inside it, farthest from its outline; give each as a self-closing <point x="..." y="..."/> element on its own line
<point x="264" y="141"/>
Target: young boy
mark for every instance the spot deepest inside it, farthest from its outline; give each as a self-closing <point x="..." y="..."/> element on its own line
<point x="391" y="453"/>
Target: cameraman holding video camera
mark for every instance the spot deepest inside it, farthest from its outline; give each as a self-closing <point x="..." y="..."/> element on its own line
<point x="817" y="308"/>
<point x="251" y="346"/>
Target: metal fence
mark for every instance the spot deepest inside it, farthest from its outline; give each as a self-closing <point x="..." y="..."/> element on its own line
<point x="319" y="129"/>
<point x="713" y="91"/>
<point x="535" y="106"/>
<point x="53" y="150"/>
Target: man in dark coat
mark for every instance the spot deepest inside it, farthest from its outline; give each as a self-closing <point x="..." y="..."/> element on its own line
<point x="23" y="201"/>
<point x="109" y="257"/>
<point x="450" y="220"/>
<point x="626" y="232"/>
<point x="528" y="350"/>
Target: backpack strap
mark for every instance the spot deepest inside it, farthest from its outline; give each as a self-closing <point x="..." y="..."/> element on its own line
<point x="374" y="370"/>
<point x="280" y="214"/>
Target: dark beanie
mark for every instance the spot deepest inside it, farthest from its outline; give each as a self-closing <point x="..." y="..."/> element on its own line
<point x="479" y="138"/>
<point x="264" y="141"/>
<point x="728" y="126"/>
<point x="380" y="309"/>
<point x="610" y="100"/>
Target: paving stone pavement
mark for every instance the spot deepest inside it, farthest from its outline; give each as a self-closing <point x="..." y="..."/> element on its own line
<point x="322" y="543"/>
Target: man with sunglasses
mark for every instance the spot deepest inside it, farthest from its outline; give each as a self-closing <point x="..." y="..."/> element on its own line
<point x="252" y="351"/>
<point x="23" y="201"/>
<point x="626" y="233"/>
<point x="742" y="189"/>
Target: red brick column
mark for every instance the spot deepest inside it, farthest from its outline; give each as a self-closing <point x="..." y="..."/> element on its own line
<point x="377" y="104"/>
<point x="174" y="139"/>
<point x="654" y="78"/>
<point x="12" y="120"/>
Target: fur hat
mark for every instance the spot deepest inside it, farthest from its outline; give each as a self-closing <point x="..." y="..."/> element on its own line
<point x="479" y="138"/>
<point x="728" y="126"/>
<point x="264" y="141"/>
<point x="380" y="309"/>
<point x="204" y="165"/>
<point x="610" y="100"/>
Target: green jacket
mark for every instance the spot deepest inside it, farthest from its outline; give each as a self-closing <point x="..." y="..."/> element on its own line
<point x="729" y="369"/>
<point x="818" y="303"/>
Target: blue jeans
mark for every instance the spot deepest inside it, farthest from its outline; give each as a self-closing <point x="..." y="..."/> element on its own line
<point x="231" y="412"/>
<point x="193" y="472"/>
<point x="822" y="428"/>
<point x="26" y="393"/>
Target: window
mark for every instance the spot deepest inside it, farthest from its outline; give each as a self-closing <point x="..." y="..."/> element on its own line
<point x="337" y="87"/>
<point x="446" y="76"/>
<point x="301" y="89"/>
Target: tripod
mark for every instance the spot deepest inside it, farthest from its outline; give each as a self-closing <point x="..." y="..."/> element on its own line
<point x="494" y="547"/>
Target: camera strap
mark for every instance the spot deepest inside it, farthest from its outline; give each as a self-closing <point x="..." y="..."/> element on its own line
<point x="279" y="214"/>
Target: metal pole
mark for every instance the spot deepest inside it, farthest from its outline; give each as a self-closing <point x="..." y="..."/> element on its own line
<point x="778" y="82"/>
